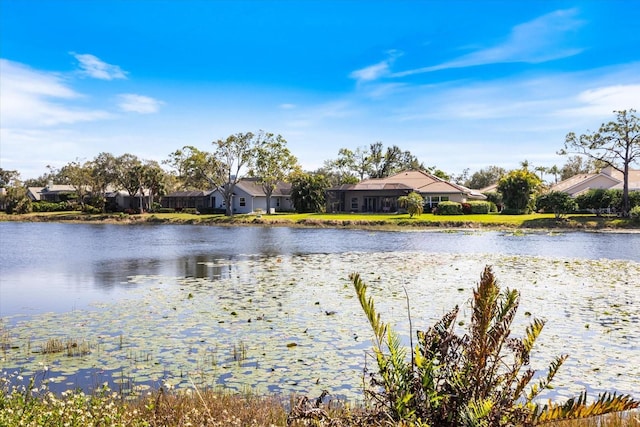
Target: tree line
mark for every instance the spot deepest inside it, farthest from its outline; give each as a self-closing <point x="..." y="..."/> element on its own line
<point x="266" y="157"/>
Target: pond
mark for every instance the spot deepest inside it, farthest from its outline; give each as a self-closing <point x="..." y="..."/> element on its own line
<point x="273" y="310"/>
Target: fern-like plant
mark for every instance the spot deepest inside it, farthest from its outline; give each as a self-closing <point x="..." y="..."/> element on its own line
<point x="481" y="378"/>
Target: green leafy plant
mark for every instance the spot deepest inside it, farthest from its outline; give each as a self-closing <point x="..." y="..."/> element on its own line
<point x="479" y="378"/>
<point x="449" y="208"/>
<point x="413" y="202"/>
<point x="558" y="202"/>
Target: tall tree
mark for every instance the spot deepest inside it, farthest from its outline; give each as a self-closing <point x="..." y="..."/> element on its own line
<point x="555" y="171"/>
<point x="616" y="144"/>
<point x="273" y="163"/>
<point x="308" y="192"/>
<point x="78" y="175"/>
<point x="220" y="169"/>
<point x="393" y="160"/>
<point x="103" y="174"/>
<point x="153" y="180"/>
<point x="518" y="188"/>
<point x="576" y="165"/>
<point x="485" y="177"/>
<point x="343" y="167"/>
<point x="128" y="170"/>
<point x="8" y="177"/>
<point x="45" y="179"/>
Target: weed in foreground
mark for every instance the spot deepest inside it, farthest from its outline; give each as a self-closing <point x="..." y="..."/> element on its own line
<point x="481" y="378"/>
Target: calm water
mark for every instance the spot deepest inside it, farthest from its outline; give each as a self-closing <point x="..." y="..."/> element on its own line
<point x="60" y="267"/>
<point x="163" y="303"/>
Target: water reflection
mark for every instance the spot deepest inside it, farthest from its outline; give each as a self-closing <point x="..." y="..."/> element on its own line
<point x="84" y="262"/>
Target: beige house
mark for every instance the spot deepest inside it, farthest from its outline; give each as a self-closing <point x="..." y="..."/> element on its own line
<point x="381" y="194"/>
<point x="607" y="179"/>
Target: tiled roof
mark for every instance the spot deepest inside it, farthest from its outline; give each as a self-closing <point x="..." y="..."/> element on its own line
<point x="419" y="181"/>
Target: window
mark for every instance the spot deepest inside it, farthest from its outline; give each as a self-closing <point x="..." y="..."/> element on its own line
<point x="432" y="201"/>
<point x="243" y="201"/>
<point x="354" y="203"/>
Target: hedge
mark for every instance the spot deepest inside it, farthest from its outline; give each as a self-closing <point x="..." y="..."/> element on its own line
<point x="449" y="208"/>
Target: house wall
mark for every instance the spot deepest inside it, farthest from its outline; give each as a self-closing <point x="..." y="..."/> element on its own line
<point x="185" y="202"/>
<point x="253" y="203"/>
<point x="376" y="201"/>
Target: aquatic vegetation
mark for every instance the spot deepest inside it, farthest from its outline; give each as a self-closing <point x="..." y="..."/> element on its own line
<point x="482" y="377"/>
<point x="156" y="333"/>
<point x="70" y="347"/>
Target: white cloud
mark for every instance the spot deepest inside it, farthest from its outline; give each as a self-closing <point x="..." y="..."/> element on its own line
<point x="602" y="101"/>
<point x="536" y="41"/>
<point x="375" y="71"/>
<point x="287" y="106"/>
<point x="132" y="103"/>
<point x="93" y="67"/>
<point x="35" y="98"/>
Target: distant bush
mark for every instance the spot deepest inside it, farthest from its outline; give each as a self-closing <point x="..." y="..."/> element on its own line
<point x="190" y="210"/>
<point x="558" y="202"/>
<point x="165" y="210"/>
<point x="43" y="206"/>
<point x="91" y="209"/>
<point x="634" y="198"/>
<point x="212" y="211"/>
<point x="449" y="208"/>
<point x="635" y="212"/>
<point x="480" y="207"/>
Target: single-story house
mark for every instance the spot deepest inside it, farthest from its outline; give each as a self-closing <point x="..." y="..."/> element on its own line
<point x="381" y="194"/>
<point x="248" y="196"/>
<point x="117" y="200"/>
<point x="607" y="179"/>
<point x="51" y="193"/>
<point x="187" y="199"/>
<point x="114" y="199"/>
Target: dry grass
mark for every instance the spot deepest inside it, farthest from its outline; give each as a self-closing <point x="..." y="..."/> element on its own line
<point x="27" y="406"/>
<point x="71" y="347"/>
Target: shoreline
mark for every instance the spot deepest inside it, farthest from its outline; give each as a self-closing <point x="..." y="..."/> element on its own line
<point x="343" y="221"/>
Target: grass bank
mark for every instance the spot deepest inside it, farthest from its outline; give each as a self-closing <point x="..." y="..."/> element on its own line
<point x="205" y="408"/>
<point x="384" y="221"/>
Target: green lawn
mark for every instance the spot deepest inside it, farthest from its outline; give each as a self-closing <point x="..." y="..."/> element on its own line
<point x="349" y="220"/>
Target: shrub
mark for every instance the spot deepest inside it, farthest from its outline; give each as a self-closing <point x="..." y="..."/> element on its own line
<point x="91" y="209"/>
<point x="477" y="379"/>
<point x="449" y="208"/>
<point x="43" y="206"/>
<point x="211" y="211"/>
<point x="635" y="213"/>
<point x="466" y="208"/>
<point x="413" y="202"/>
<point x="558" y="202"/>
<point x="481" y="207"/>
<point x="165" y="210"/>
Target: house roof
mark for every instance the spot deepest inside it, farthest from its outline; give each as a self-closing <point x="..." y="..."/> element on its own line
<point x="36" y="192"/>
<point x="252" y="187"/>
<point x="416" y="180"/>
<point x="613" y="177"/>
<point x="189" y="193"/>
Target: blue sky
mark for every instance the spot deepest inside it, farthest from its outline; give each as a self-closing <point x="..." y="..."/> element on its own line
<point x="460" y="84"/>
